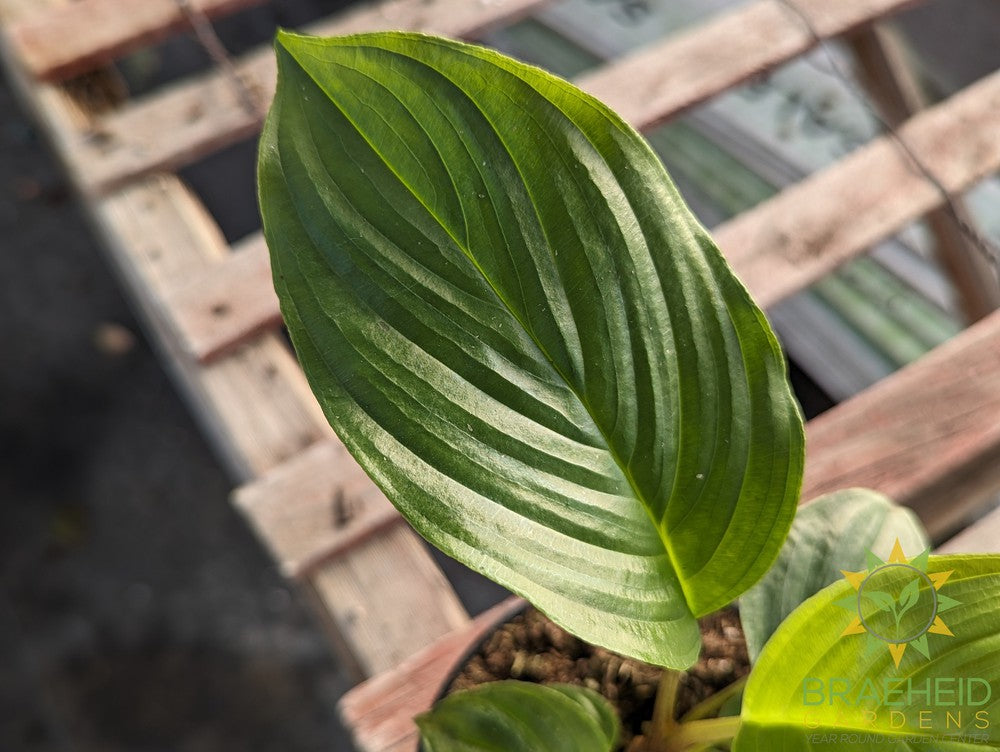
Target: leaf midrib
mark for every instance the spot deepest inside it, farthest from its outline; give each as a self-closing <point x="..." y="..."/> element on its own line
<point x="639" y="497"/>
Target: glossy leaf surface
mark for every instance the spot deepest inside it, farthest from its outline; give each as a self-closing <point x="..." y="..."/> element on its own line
<point x="520" y="717"/>
<point x="830" y="534"/>
<point x="815" y="688"/>
<point x="520" y="332"/>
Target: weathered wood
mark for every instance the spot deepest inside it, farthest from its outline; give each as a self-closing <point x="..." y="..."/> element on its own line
<point x="187" y="121"/>
<point x="807" y="230"/>
<point x="826" y="19"/>
<point x="982" y="537"/>
<point x="254" y="402"/>
<point x="653" y="84"/>
<point x="896" y="90"/>
<point x="314" y="507"/>
<point x="380" y="711"/>
<point x="229" y="304"/>
<point x="59" y="43"/>
<point x="179" y="124"/>
<point x="927" y="436"/>
<point x="384" y="602"/>
<point x="777" y="248"/>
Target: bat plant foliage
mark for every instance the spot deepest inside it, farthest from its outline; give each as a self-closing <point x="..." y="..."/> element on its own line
<point x="521" y="333"/>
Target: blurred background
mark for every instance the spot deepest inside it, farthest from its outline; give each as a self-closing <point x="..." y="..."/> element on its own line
<point x="137" y="610"/>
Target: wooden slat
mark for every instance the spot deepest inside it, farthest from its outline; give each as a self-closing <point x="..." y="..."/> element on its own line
<point x="784" y="244"/>
<point x="314" y="507"/>
<point x="828" y="19"/>
<point x="380" y="711"/>
<point x="228" y="305"/>
<point x="777" y="248"/>
<point x="384" y="606"/>
<point x="254" y="402"/>
<point x="653" y="84"/>
<point x="927" y="436"/>
<point x="982" y="537"/>
<point x="894" y="86"/>
<point x="63" y="42"/>
<point x="183" y="122"/>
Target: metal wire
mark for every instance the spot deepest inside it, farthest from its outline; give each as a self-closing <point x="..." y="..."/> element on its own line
<point x="209" y="40"/>
<point x="982" y="244"/>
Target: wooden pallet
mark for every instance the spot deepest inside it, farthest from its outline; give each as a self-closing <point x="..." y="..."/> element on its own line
<point x="928" y="435"/>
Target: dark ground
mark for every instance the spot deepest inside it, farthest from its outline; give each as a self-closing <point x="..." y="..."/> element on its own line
<point x="137" y="611"/>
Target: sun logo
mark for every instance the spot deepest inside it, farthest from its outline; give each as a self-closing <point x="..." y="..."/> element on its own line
<point x="897" y="603"/>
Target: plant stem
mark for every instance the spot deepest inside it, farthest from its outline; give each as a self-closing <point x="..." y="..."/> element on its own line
<point x="694" y="734"/>
<point x="711" y="704"/>
<point x="663" y="708"/>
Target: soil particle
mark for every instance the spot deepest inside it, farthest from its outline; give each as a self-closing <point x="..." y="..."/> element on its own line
<point x="531" y="648"/>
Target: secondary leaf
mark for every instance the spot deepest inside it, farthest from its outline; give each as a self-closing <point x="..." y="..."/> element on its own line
<point x="814" y="687"/>
<point x="833" y="533"/>
<point x="523" y="336"/>
<point x="521" y="717"/>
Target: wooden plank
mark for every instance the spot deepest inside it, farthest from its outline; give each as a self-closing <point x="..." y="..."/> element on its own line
<point x="59" y="43"/>
<point x="793" y="239"/>
<point x="386" y="608"/>
<point x="228" y="305"/>
<point x="380" y="711"/>
<point x="254" y="402"/>
<point x="655" y="83"/>
<point x="827" y="19"/>
<point x="927" y="436"/>
<point x="896" y="90"/>
<point x="315" y="507"/>
<point x="777" y="248"/>
<point x="982" y="537"/>
<point x="187" y="121"/>
<point x="651" y="85"/>
<point x="183" y="122"/>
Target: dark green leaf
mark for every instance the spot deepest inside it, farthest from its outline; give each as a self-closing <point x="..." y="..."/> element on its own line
<point x="523" y="336"/>
<point x="520" y="717"/>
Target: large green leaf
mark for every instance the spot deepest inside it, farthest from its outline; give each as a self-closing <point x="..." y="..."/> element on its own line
<point x="523" y="336"/>
<point x="833" y="533"/>
<point x="512" y="716"/>
<point x="788" y="704"/>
